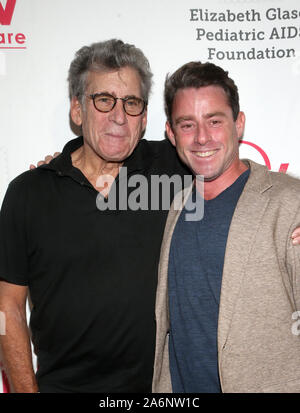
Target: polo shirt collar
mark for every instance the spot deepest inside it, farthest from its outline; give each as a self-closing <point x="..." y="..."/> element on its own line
<point x="139" y="160"/>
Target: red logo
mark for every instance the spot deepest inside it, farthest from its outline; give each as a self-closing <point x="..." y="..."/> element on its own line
<point x="7" y="13"/>
<point x="283" y="167"/>
<point x="3" y="378"/>
<point x="10" y="40"/>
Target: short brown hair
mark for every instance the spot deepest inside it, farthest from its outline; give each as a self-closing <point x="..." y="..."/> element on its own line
<point x="196" y="75"/>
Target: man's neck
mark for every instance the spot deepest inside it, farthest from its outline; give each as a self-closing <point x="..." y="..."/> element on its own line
<point x="93" y="166"/>
<point x="211" y="189"/>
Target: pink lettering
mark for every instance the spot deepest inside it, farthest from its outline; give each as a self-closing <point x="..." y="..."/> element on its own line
<point x="7" y="13"/>
<point x="20" y="38"/>
<point x="283" y="167"/>
<point x="12" y="39"/>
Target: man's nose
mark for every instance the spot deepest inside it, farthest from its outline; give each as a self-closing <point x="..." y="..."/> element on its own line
<point x="202" y="135"/>
<point x="117" y="114"/>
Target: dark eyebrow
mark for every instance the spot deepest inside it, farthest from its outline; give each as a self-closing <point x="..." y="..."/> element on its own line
<point x="182" y="119"/>
<point x="206" y="116"/>
<point x="114" y="95"/>
<point x="131" y="96"/>
<point x="211" y="115"/>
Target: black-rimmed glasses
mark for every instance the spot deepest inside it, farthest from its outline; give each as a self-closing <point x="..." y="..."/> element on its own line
<point x="104" y="102"/>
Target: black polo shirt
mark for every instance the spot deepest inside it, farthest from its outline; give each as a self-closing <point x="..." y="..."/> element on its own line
<point x="91" y="274"/>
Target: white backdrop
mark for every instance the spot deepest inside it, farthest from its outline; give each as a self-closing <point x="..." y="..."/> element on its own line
<point x="38" y="40"/>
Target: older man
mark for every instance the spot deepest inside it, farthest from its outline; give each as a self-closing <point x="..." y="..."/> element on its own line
<point x="91" y="273"/>
<point x="228" y="297"/>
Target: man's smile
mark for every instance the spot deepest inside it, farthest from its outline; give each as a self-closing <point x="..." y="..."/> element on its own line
<point x="205" y="154"/>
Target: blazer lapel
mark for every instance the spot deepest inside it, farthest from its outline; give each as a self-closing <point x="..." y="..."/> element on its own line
<point x="243" y="228"/>
<point x="162" y="307"/>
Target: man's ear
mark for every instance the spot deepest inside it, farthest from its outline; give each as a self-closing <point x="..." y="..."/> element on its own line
<point x="76" y="111"/>
<point x="240" y="124"/>
<point x="170" y="133"/>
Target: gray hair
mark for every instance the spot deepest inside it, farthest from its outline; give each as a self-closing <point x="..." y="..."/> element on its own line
<point x="105" y="56"/>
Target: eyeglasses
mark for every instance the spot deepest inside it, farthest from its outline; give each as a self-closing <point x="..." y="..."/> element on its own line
<point x="104" y="102"/>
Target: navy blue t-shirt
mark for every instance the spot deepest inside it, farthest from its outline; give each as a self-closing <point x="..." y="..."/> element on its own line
<point x="194" y="282"/>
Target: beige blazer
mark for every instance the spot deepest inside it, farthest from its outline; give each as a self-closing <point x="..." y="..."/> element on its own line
<point x="258" y="327"/>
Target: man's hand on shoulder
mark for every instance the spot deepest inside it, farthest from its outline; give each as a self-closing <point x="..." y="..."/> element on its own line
<point x="296" y="236"/>
<point x="47" y="159"/>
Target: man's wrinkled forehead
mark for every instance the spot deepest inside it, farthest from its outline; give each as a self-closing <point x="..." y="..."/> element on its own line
<point x="103" y="79"/>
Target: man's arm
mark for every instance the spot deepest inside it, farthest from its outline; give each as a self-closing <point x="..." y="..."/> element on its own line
<point x="15" y="339"/>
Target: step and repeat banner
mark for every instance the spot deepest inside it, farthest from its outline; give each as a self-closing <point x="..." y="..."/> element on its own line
<point x="257" y="41"/>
